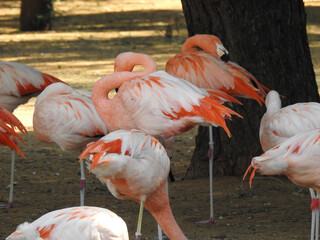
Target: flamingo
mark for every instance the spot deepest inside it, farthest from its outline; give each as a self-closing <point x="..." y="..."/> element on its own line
<point x="156" y="102"/>
<point x="279" y="124"/>
<point x="8" y="137"/>
<point x="83" y="223"/>
<point x="296" y="157"/>
<point x="204" y="61"/>
<point x="135" y="166"/>
<point x="67" y="117"/>
<point x="20" y="82"/>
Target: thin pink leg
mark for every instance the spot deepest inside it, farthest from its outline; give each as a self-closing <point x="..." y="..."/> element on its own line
<point x="211" y="219"/>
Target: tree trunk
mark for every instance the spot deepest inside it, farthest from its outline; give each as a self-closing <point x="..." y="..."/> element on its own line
<point x="35" y="15"/>
<point x="269" y="39"/>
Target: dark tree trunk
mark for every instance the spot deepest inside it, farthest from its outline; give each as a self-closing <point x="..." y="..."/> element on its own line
<point x="35" y="15"/>
<point x="269" y="39"/>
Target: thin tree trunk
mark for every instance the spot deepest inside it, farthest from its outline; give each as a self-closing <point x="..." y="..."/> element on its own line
<point x="269" y="39"/>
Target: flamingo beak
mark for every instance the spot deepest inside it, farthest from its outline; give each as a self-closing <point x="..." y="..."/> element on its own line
<point x="251" y="176"/>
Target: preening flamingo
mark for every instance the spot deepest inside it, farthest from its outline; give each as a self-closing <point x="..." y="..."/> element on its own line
<point x="155" y="102"/>
<point x="67" y="117"/>
<point x="204" y="61"/>
<point x="8" y="137"/>
<point x="135" y="166"/>
<point x="82" y="223"/>
<point x="19" y="83"/>
<point x="278" y="124"/>
<point x="298" y="158"/>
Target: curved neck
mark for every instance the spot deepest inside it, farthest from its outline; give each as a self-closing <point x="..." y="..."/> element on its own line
<point x="199" y="42"/>
<point x="128" y="60"/>
<point x="102" y="103"/>
<point x="273" y="102"/>
<point x="147" y="62"/>
<point x="158" y="205"/>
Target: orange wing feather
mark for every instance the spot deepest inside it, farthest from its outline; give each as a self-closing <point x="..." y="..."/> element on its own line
<point x="8" y="123"/>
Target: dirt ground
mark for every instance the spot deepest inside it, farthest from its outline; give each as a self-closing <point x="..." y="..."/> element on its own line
<point x="80" y="48"/>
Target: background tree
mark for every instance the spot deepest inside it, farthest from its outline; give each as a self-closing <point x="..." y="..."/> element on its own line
<point x="35" y="15"/>
<point x="269" y="39"/>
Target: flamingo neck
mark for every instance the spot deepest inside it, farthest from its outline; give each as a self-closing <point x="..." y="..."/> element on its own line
<point x="101" y="89"/>
<point x="128" y="60"/>
<point x="199" y="41"/>
<point x="273" y="102"/>
<point x="158" y="205"/>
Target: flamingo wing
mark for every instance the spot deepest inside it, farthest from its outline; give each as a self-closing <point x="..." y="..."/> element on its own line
<point x="173" y="103"/>
<point x="287" y="122"/>
<point x="18" y="79"/>
<point x="19" y="82"/>
<point x="8" y="135"/>
<point x="75" y="223"/>
<point x="209" y="71"/>
<point x="67" y="117"/>
<point x="131" y="163"/>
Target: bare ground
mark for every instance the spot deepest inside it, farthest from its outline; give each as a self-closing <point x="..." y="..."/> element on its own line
<point x="86" y="37"/>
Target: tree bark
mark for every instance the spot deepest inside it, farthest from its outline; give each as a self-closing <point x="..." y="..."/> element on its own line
<point x="269" y="39"/>
<point x="35" y="15"/>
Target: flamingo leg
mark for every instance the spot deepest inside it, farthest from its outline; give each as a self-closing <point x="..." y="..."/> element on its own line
<point x="211" y="219"/>
<point x="138" y="232"/>
<point x="314" y="215"/>
<point x="10" y="201"/>
<point x="82" y="185"/>
<point x="317" y="218"/>
<point x="168" y="144"/>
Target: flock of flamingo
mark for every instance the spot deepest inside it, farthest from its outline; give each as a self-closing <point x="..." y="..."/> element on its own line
<point x="116" y="136"/>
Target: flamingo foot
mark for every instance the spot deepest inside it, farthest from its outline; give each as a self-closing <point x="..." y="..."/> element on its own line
<point x="211" y="220"/>
<point x="82" y="184"/>
<point x="6" y="206"/>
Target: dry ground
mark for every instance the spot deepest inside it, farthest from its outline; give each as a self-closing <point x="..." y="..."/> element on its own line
<point x="86" y="37"/>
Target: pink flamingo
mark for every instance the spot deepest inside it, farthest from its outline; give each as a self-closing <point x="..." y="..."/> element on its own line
<point x="298" y="158"/>
<point x="155" y="101"/>
<point x="279" y="124"/>
<point x="19" y="83"/>
<point x="135" y="166"/>
<point x="67" y="117"/>
<point x="8" y="137"/>
<point x="85" y="223"/>
<point x="158" y="103"/>
<point x="204" y="61"/>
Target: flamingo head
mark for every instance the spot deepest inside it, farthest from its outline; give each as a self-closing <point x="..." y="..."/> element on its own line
<point x="266" y="166"/>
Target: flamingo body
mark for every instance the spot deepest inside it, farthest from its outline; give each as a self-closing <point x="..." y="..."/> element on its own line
<point x="83" y="223"/>
<point x="135" y="166"/>
<point x="19" y="82"/>
<point x="200" y="62"/>
<point x="67" y="117"/>
<point x="136" y="158"/>
<point x="279" y="124"/>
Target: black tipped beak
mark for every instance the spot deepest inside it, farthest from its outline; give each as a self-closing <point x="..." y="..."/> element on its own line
<point x="225" y="57"/>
